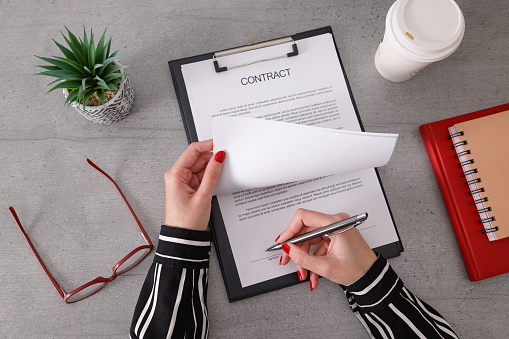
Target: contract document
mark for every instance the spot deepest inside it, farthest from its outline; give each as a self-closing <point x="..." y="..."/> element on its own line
<point x="293" y="140"/>
<point x="294" y="152"/>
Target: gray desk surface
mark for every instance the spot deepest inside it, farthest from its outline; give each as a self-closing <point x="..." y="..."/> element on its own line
<point x="77" y="220"/>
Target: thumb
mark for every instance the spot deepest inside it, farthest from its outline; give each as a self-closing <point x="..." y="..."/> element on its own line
<point x="305" y="260"/>
<point x="211" y="175"/>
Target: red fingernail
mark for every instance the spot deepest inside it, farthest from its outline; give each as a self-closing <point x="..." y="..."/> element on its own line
<point x="300" y="275"/>
<point x="277" y="238"/>
<point x="220" y="156"/>
<point x="286" y="248"/>
<point x="311" y="286"/>
<point x="280" y="260"/>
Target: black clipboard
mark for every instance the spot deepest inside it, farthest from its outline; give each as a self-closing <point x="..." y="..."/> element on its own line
<point x="231" y="278"/>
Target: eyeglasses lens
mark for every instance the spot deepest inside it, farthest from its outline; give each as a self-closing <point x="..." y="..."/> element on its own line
<point x="133" y="261"/>
<point x="86" y="292"/>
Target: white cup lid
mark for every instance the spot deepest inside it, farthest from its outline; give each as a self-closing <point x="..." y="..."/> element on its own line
<point x="427" y="29"/>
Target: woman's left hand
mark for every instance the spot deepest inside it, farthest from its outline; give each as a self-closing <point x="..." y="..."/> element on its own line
<point x="190" y="185"/>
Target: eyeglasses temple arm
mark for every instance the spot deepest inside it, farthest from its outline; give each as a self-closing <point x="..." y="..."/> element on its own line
<point x="59" y="289"/>
<point x="147" y="239"/>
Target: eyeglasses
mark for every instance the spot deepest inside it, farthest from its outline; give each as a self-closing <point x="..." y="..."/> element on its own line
<point x="128" y="262"/>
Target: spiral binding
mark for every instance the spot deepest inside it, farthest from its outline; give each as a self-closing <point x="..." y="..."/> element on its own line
<point x="457" y="134"/>
<point x="490" y="230"/>
<point x="470" y="171"/>
<point x="479" y="190"/>
<point x="461" y="143"/>
<point x="459" y="154"/>
<point x="483" y="210"/>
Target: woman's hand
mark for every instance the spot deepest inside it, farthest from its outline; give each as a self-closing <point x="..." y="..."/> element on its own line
<point x="342" y="258"/>
<point x="190" y="185"/>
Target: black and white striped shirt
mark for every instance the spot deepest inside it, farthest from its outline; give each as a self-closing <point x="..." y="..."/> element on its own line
<point x="173" y="299"/>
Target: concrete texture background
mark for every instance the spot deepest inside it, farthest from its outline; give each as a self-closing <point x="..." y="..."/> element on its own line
<point x="77" y="220"/>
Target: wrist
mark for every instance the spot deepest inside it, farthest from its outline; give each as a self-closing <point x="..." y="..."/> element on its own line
<point x="364" y="264"/>
<point x="377" y="288"/>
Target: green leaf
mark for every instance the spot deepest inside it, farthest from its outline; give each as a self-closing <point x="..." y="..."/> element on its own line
<point x="81" y="91"/>
<point x="63" y="75"/>
<point x="75" y="47"/>
<point x="98" y="65"/>
<point x="108" y="48"/>
<point x="116" y="81"/>
<point x="87" y="95"/>
<point x="108" y="61"/>
<point x="50" y="68"/>
<point x="66" y="84"/>
<point x="113" y="68"/>
<point x="67" y="53"/>
<point x="86" y="68"/>
<point x="100" y="87"/>
<point x="83" y="83"/>
<point x="62" y="65"/>
<point x="101" y="49"/>
<point x="101" y="96"/>
<point x="105" y="64"/>
<point x="112" y="87"/>
<point x="86" y="44"/>
<point x="115" y="54"/>
<point x="51" y="83"/>
<point x="112" y="76"/>
<point x="101" y="82"/>
<point x="72" y="97"/>
<point x="72" y="63"/>
<point x="91" y="51"/>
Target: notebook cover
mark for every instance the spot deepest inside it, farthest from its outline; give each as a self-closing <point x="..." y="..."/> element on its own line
<point x="222" y="246"/>
<point x="484" y="139"/>
<point x="482" y="258"/>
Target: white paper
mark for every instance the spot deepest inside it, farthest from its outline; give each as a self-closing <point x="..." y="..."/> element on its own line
<point x="291" y="152"/>
<point x="315" y="94"/>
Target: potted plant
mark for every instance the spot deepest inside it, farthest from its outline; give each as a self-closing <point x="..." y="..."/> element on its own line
<point x="92" y="79"/>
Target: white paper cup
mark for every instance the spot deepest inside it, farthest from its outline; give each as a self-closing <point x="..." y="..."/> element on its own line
<point x="417" y="33"/>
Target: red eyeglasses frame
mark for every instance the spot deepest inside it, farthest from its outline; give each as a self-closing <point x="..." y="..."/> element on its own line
<point x="98" y="280"/>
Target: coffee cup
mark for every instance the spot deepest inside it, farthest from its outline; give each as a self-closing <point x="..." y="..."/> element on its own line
<point x="417" y="33"/>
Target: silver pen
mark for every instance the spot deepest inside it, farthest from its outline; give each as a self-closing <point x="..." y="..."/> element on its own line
<point x="330" y="230"/>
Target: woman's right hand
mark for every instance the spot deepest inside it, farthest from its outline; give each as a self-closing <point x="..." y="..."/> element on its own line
<point x="342" y="258"/>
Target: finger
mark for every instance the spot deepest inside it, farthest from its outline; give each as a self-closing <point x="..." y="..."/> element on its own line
<point x="178" y="175"/>
<point x="194" y="183"/>
<point x="308" y="220"/>
<point x="321" y="250"/>
<point x="313" y="277"/>
<point x="193" y="153"/>
<point x="285" y="259"/>
<point x="200" y="174"/>
<point x="313" y="281"/>
<point x="211" y="176"/>
<point x="201" y="163"/>
<point x="317" y="264"/>
<point x="304" y="272"/>
<point x="296" y="226"/>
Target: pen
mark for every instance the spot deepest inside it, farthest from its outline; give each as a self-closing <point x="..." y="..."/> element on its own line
<point x="332" y="229"/>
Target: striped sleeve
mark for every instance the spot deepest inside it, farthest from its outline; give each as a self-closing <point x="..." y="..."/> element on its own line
<point x="387" y="309"/>
<point x="172" y="301"/>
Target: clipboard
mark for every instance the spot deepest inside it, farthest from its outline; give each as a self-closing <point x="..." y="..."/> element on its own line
<point x="234" y="289"/>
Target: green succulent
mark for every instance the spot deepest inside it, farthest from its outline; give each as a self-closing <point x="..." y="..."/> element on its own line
<point x="85" y="68"/>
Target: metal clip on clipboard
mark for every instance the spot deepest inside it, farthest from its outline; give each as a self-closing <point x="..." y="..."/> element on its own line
<point x="253" y="47"/>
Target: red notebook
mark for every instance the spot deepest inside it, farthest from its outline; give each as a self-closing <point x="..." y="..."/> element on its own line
<point x="482" y="258"/>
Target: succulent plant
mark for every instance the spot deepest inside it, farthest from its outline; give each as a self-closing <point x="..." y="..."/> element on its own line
<point x="85" y="68"/>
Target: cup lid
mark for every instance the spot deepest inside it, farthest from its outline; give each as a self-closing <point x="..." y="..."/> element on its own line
<point x="429" y="29"/>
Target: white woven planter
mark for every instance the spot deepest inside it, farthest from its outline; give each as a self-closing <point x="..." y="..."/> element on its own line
<point x="114" y="110"/>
